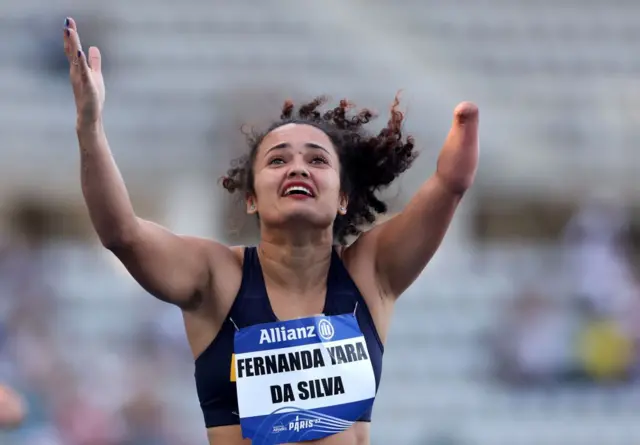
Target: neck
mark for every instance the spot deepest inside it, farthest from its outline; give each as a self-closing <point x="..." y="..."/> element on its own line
<point x="299" y="263"/>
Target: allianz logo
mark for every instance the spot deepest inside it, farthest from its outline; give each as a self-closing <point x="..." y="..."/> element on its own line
<point x="325" y="331"/>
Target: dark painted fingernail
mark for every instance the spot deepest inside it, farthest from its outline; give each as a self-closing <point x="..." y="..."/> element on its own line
<point x="67" y="32"/>
<point x="67" y="22"/>
<point x="80" y="53"/>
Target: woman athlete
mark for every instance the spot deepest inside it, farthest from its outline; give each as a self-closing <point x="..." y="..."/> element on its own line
<point x="268" y="368"/>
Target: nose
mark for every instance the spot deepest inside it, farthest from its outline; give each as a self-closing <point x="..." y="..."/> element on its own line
<point x="298" y="170"/>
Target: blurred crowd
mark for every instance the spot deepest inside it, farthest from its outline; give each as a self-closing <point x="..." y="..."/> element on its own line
<point x="92" y="361"/>
<point x="586" y="331"/>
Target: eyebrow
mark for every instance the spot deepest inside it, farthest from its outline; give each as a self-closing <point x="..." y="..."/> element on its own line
<point x="284" y="145"/>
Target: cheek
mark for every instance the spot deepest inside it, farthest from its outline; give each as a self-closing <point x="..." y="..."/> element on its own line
<point x="265" y="187"/>
<point x="331" y="187"/>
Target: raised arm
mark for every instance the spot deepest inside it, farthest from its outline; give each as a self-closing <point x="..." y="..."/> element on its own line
<point x="402" y="246"/>
<point x="173" y="268"/>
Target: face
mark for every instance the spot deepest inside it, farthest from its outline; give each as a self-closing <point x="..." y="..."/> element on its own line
<point x="297" y="178"/>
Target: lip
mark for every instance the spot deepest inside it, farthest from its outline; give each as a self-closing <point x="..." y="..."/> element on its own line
<point x="298" y="197"/>
<point x="306" y="185"/>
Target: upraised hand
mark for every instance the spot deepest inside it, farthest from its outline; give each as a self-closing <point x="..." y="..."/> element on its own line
<point x="86" y="76"/>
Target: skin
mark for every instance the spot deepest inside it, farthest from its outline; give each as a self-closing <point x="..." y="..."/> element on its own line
<point x="202" y="276"/>
<point x="12" y="408"/>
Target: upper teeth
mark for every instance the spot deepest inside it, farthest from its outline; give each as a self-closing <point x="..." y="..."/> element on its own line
<point x="297" y="188"/>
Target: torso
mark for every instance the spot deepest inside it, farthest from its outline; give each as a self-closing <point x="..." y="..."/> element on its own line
<point x="204" y="325"/>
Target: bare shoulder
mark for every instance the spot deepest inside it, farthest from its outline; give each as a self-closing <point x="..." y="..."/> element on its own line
<point x="359" y="260"/>
<point x="363" y="250"/>
<point x="219" y="254"/>
<point x="225" y="268"/>
<point x="361" y="253"/>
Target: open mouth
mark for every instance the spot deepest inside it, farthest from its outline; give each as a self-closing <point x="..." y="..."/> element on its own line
<point x="298" y="190"/>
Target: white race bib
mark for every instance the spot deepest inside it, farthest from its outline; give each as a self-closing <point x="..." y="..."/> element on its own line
<point x="302" y="379"/>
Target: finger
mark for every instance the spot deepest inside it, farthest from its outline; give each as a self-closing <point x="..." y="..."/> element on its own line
<point x="67" y="43"/>
<point x="95" y="59"/>
<point x="83" y="66"/>
<point x="78" y="59"/>
<point x="72" y="44"/>
<point x="69" y="25"/>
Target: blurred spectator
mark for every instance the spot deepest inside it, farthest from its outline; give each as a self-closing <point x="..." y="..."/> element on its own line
<point x="12" y="409"/>
<point x="597" y="257"/>
<point x="81" y="423"/>
<point x="144" y="421"/>
<point x="605" y="351"/>
<point x="534" y="341"/>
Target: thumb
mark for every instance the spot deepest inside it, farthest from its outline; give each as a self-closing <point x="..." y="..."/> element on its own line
<point x="95" y="59"/>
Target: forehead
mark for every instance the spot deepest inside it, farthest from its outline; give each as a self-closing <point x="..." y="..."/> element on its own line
<point x="296" y="135"/>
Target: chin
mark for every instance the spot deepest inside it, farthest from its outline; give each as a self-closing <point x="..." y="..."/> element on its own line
<point x="310" y="218"/>
<point x="299" y="218"/>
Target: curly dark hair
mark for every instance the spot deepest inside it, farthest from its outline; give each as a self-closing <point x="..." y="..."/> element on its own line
<point x="368" y="162"/>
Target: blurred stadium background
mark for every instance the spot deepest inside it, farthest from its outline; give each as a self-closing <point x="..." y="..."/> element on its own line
<point x="524" y="329"/>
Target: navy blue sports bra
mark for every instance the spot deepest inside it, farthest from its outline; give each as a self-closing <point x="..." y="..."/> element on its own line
<point x="213" y="372"/>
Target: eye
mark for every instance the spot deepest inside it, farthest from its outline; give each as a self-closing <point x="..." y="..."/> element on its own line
<point x="276" y="161"/>
<point x="319" y="160"/>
